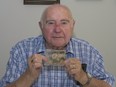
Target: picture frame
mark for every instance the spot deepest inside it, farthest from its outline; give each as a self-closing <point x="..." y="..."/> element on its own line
<point x="40" y="2"/>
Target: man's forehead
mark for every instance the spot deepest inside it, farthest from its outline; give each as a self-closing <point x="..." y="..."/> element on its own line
<point x="57" y="11"/>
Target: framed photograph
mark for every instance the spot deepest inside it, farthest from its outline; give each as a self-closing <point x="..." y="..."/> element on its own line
<point x="40" y="2"/>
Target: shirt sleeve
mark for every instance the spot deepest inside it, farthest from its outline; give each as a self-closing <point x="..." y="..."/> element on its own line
<point x="15" y="66"/>
<point x="99" y="71"/>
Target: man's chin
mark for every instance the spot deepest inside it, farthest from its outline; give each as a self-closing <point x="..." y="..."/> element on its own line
<point x="58" y="46"/>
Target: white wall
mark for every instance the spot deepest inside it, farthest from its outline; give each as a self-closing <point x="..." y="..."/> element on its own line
<point x="95" y="22"/>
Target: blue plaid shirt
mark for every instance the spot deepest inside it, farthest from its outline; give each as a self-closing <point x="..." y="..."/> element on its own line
<point x="54" y="76"/>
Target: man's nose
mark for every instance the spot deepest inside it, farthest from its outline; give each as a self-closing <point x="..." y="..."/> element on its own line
<point x="57" y="28"/>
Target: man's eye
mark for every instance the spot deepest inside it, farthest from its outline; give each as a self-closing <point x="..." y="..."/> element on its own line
<point x="64" y="22"/>
<point x="50" y="22"/>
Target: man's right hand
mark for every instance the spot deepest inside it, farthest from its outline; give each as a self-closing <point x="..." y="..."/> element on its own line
<point x="35" y="63"/>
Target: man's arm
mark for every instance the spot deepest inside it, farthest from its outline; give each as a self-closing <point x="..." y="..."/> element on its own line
<point x="91" y="82"/>
<point x="24" y="81"/>
<point x="32" y="72"/>
<point x="74" y="68"/>
<point x="97" y="83"/>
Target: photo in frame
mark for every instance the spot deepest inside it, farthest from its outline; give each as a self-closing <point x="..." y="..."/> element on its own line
<point x="40" y="2"/>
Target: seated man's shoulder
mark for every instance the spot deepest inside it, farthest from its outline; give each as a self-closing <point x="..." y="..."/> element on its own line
<point x="79" y="41"/>
<point x="29" y="41"/>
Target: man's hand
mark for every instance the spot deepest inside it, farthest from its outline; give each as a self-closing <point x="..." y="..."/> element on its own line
<point x="74" y="68"/>
<point x="35" y="64"/>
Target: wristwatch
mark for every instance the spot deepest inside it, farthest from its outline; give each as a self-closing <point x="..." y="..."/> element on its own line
<point x="89" y="76"/>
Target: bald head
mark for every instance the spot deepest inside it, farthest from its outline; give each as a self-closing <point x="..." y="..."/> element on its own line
<point x="55" y="8"/>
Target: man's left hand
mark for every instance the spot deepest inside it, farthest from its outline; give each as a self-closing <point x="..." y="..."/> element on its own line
<point x="74" y="68"/>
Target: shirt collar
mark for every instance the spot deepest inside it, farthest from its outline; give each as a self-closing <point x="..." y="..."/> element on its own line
<point x="42" y="48"/>
<point x="69" y="47"/>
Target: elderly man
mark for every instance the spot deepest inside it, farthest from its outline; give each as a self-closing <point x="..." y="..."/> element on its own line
<point x="26" y="64"/>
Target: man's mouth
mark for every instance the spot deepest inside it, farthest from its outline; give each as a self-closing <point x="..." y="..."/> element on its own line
<point x="57" y="37"/>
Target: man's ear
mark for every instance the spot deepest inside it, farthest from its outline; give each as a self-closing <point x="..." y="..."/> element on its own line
<point x="40" y="25"/>
<point x="73" y="22"/>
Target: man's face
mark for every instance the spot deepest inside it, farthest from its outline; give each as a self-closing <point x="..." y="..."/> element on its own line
<point x="57" y="28"/>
